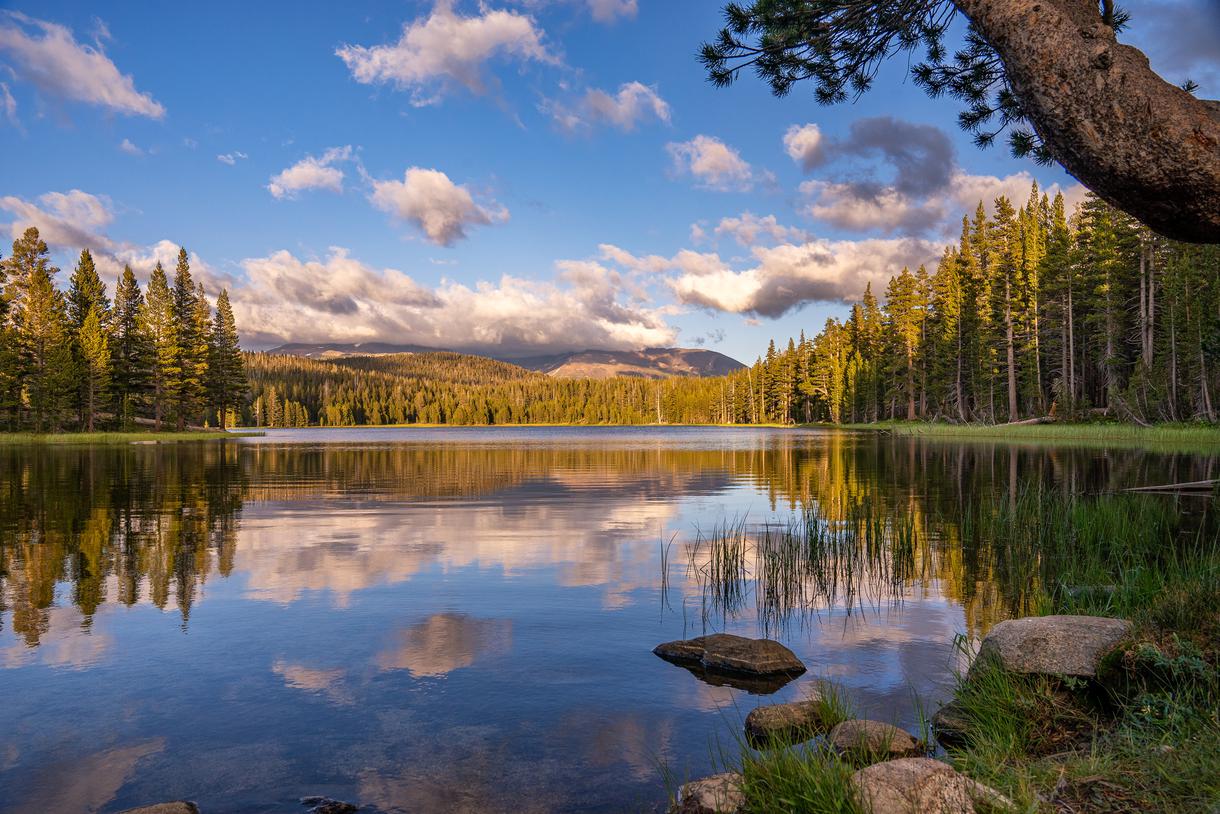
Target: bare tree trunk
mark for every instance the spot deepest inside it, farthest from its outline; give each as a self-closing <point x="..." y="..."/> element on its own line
<point x="1144" y="145"/>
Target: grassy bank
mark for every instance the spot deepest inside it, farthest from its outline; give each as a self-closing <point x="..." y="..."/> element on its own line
<point x="1144" y="737"/>
<point x="93" y="438"/>
<point x="1176" y="436"/>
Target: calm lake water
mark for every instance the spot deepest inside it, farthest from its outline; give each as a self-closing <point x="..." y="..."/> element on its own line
<point x="460" y="619"/>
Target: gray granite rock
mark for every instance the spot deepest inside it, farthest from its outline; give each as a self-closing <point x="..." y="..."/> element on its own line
<point x="718" y="794"/>
<point x="726" y="653"/>
<point x="874" y="739"/>
<point x="1053" y="645"/>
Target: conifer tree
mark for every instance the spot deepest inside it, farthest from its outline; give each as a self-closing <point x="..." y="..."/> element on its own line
<point x="129" y="346"/>
<point x="227" y="381"/>
<point x="191" y="347"/>
<point x="45" y="349"/>
<point x="159" y="324"/>
<point x="95" y="365"/>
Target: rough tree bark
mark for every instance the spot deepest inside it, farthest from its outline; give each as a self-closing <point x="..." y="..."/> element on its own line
<point x="1142" y="144"/>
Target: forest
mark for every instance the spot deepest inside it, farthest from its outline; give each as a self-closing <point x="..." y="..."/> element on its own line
<point x="75" y="360"/>
<point x="1033" y="313"/>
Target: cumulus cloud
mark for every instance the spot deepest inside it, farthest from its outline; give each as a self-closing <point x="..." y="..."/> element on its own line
<point x="926" y="191"/>
<point x="231" y="158"/>
<point x="805" y="145"/>
<point x="633" y="103"/>
<point x="887" y="209"/>
<point x="439" y="208"/>
<point x="311" y="172"/>
<point x="749" y="230"/>
<point x="340" y="298"/>
<point x="782" y="278"/>
<point x="48" y="56"/>
<point x="75" y="220"/>
<point x="713" y="164"/>
<point x="65" y="220"/>
<point x="445" y="48"/>
<point x="609" y="11"/>
<point x="131" y="149"/>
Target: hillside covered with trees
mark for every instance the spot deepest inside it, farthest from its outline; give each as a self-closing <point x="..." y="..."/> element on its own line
<point x="1033" y="312"/>
<point x="78" y="360"/>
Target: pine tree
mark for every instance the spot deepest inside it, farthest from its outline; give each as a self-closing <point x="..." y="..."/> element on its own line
<point x="45" y="350"/>
<point x="95" y="365"/>
<point x="160" y="327"/>
<point x="87" y="291"/>
<point x="129" y="346"/>
<point x="191" y="347"/>
<point x="903" y="322"/>
<point x="227" y="381"/>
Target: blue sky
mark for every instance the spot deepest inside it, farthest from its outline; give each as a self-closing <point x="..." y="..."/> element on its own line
<point x="514" y="176"/>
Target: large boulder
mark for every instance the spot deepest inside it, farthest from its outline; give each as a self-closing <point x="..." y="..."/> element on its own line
<point x="175" y="807"/>
<point x="786" y="723"/>
<point x="874" y="739"/>
<point x="1053" y="645"/>
<point x="920" y="785"/>
<point x="726" y="653"/>
<point x="718" y="794"/>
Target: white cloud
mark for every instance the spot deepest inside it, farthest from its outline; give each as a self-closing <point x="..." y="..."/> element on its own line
<point x="749" y="230"/>
<point x="446" y="48"/>
<point x="131" y="149"/>
<point x="312" y="172"/>
<point x="9" y="105"/>
<point x="47" y="55"/>
<point x="231" y="158"/>
<point x="441" y="209"/>
<point x="805" y="145"/>
<point x="787" y="276"/>
<point x="65" y="220"/>
<point x="714" y="164"/>
<point x="342" y="299"/>
<point x="609" y="11"/>
<point x="889" y="210"/>
<point x="633" y="103"/>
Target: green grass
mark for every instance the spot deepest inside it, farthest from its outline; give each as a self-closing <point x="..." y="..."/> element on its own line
<point x="1146" y="737"/>
<point x="96" y="438"/>
<point x="1186" y="436"/>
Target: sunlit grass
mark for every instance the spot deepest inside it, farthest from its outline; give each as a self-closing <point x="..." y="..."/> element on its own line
<point x="97" y="438"/>
<point x="1186" y="436"/>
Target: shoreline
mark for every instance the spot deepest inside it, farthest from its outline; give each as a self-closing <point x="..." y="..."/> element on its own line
<point x="119" y="437"/>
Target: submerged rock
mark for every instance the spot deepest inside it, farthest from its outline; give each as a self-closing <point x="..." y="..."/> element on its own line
<point x="950" y="725"/>
<point x="785" y="723"/>
<point x="325" y="805"/>
<point x="718" y="794"/>
<point x="874" y="739"/>
<point x="175" y="807"/>
<point x="1053" y="645"/>
<point x="920" y="785"/>
<point x="729" y="654"/>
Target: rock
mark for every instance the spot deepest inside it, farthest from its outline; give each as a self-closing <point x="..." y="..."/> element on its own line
<point x="718" y="794"/>
<point x="914" y="785"/>
<point x="874" y="739"/>
<point x="175" y="807"/>
<point x="726" y="653"/>
<point x="785" y="723"/>
<point x="1053" y="645"/>
<point x="950" y="725"/>
<point x="325" y="805"/>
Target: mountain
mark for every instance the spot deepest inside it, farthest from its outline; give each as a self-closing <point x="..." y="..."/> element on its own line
<point x="650" y="363"/>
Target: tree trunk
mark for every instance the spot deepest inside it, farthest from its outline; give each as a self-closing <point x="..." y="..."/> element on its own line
<point x="1139" y="142"/>
<point x="1012" y="358"/>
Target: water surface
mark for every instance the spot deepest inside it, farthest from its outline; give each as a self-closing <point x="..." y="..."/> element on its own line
<point x="457" y="619"/>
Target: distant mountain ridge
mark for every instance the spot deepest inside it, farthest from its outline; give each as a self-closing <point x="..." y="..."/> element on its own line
<point x="650" y="363"/>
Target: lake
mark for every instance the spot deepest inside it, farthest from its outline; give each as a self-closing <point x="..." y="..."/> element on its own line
<point x="432" y="620"/>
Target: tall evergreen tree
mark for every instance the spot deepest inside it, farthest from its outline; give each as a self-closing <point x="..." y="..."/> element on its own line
<point x="94" y="365"/>
<point x="227" y="383"/>
<point x="129" y="347"/>
<point x="159" y="324"/>
<point x="191" y="347"/>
